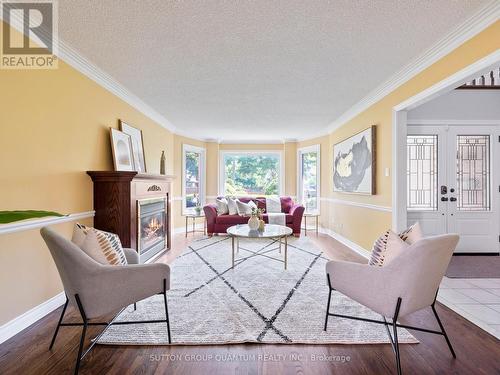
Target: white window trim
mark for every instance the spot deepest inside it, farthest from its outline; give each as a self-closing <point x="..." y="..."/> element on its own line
<point x="222" y="170"/>
<point x="305" y="150"/>
<point x="202" y="152"/>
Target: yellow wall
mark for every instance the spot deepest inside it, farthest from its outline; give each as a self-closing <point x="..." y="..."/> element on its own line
<point x="54" y="126"/>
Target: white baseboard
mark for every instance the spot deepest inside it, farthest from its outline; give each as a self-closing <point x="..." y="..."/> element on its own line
<point x="23" y="321"/>
<point x="345" y="241"/>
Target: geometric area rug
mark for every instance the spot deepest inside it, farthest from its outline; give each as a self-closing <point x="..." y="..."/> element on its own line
<point x="258" y="301"/>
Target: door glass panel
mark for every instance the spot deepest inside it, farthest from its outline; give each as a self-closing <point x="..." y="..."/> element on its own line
<point x="473" y="172"/>
<point x="422" y="172"/>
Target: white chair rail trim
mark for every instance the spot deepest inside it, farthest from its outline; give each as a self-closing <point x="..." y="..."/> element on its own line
<point x="42" y="222"/>
<point x="357" y="204"/>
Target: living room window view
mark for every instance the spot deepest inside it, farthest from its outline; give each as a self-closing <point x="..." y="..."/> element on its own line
<point x="250" y="187"/>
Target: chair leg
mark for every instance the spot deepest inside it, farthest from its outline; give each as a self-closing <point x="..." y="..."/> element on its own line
<point x="396" y="342"/>
<point x="442" y="330"/>
<point x="328" y="304"/>
<point x="166" y="309"/>
<point x="135" y="306"/>
<point x="84" y="331"/>
<point x="59" y="324"/>
<point x="327" y="309"/>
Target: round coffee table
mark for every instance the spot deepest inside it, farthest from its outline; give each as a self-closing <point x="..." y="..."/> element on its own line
<point x="271" y="231"/>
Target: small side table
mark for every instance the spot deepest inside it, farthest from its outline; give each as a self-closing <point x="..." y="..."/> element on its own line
<point x="193" y="217"/>
<point x="314" y="215"/>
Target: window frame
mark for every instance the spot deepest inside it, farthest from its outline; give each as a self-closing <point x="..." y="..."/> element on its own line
<point x="305" y="150"/>
<point x="202" y="167"/>
<point x="222" y="169"/>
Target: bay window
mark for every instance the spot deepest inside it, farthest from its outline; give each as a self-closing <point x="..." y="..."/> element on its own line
<point x="251" y="173"/>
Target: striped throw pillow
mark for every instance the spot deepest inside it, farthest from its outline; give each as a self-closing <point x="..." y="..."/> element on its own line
<point x="103" y="247"/>
<point x="387" y="247"/>
<point x="390" y="244"/>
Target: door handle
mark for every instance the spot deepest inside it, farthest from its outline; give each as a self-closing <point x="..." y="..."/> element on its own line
<point x="453" y="199"/>
<point x="444" y="199"/>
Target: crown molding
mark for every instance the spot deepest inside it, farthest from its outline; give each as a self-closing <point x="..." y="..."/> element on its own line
<point x="252" y="142"/>
<point x="486" y="16"/>
<point x="90" y="70"/>
<point x="475" y="24"/>
<point x="73" y="58"/>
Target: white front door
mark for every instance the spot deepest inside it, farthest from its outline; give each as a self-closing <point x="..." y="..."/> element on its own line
<point x="452" y="187"/>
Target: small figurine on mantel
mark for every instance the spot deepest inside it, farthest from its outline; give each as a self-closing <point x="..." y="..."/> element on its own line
<point x="162" y="163"/>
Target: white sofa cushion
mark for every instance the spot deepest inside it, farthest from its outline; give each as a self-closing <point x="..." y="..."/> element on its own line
<point x="245" y="209"/>
<point x="222" y="206"/>
<point x="231" y="206"/>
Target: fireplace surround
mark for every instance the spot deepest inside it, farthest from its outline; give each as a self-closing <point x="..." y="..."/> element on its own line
<point x="136" y="207"/>
<point x="152" y="226"/>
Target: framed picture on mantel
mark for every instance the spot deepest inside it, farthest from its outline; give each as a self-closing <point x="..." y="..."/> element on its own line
<point x="122" y="151"/>
<point x="137" y="145"/>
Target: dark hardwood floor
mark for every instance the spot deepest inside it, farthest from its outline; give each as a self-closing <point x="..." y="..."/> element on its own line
<point x="477" y="351"/>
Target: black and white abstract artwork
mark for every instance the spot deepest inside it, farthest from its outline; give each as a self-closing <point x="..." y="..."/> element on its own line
<point x="354" y="163"/>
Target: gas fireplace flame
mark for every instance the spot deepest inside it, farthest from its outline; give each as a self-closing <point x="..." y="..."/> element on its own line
<point x="154" y="228"/>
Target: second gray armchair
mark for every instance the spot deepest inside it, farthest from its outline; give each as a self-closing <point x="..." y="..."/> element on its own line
<point x="407" y="284"/>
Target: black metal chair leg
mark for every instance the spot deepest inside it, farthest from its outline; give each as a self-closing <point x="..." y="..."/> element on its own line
<point x="396" y="342"/>
<point x="327" y="309"/>
<point x="442" y="330"/>
<point x="80" y="349"/>
<point x="135" y="306"/>
<point x="84" y="331"/>
<point x="329" y="299"/>
<point x="166" y="309"/>
<point x="58" y="324"/>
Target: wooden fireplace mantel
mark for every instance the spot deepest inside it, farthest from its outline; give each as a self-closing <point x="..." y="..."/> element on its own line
<point x="116" y="195"/>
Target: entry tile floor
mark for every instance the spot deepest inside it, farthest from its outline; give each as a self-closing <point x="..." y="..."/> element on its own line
<point x="477" y="300"/>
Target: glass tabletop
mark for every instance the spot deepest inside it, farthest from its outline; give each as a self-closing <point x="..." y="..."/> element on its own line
<point x="270" y="230"/>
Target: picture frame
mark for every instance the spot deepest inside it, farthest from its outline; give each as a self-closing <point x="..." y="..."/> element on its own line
<point x="137" y="142"/>
<point x="121" y="146"/>
<point x="354" y="163"/>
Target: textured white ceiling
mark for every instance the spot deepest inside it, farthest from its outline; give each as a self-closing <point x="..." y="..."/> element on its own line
<point x="259" y="70"/>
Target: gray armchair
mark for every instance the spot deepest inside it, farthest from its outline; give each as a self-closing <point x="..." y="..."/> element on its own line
<point x="97" y="290"/>
<point x="407" y="284"/>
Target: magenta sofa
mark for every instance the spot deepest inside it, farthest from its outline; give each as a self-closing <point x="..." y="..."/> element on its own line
<point x="219" y="223"/>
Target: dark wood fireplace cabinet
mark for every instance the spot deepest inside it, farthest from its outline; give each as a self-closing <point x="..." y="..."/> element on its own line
<point x="136" y="207"/>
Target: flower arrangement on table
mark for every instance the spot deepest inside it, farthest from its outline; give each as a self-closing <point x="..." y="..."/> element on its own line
<point x="256" y="222"/>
